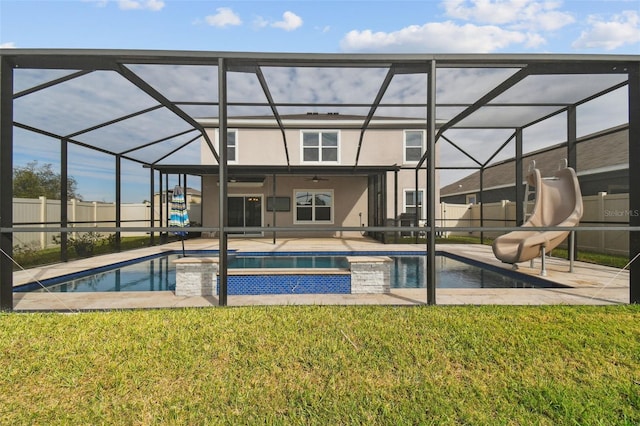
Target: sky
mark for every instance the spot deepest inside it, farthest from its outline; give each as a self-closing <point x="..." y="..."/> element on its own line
<point x="432" y="26"/>
<point x="436" y="26"/>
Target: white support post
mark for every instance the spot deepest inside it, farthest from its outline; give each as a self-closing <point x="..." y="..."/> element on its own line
<point x="73" y="215"/>
<point x="601" y="218"/>
<point x="572" y="249"/>
<point x="543" y="254"/>
<point x="43" y="220"/>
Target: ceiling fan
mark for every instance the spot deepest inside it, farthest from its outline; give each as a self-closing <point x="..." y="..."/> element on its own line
<point x="316" y="179"/>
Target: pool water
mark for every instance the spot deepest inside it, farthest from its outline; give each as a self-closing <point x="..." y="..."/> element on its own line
<point x="304" y="262"/>
<point x="409" y="272"/>
<point x="158" y="274"/>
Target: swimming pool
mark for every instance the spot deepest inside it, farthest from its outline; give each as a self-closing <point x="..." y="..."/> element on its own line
<point x="407" y="271"/>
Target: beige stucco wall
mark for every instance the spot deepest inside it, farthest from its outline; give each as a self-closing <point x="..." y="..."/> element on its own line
<point x="349" y="192"/>
<point x="265" y="147"/>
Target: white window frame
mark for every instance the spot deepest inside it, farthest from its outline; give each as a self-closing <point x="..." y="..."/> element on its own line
<point x="313" y="212"/>
<point x="404" y="145"/>
<point x="423" y="215"/>
<point x="472" y="198"/>
<point x="320" y="160"/>
<point x="217" y="144"/>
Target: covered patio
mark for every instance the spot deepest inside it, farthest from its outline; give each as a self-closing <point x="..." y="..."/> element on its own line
<point x="475" y="110"/>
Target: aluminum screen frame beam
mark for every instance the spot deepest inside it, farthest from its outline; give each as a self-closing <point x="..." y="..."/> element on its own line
<point x="431" y="282"/>
<point x="274" y="110"/>
<point x="223" y="213"/>
<point x="6" y="189"/>
<point x="634" y="178"/>
<point x="372" y="110"/>
<point x="153" y="93"/>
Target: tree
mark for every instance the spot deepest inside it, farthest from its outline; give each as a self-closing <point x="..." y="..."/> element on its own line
<point x="33" y="181"/>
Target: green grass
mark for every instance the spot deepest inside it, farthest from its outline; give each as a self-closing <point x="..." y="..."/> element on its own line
<point x="324" y="365"/>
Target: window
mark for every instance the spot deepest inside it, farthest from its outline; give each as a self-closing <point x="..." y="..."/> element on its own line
<point x="413" y="145"/>
<point x="232" y="146"/>
<point x="314" y="206"/>
<point x="320" y="147"/>
<point x="471" y="198"/>
<point x="410" y="202"/>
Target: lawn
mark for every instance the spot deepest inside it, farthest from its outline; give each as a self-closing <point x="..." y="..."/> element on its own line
<point x="323" y="365"/>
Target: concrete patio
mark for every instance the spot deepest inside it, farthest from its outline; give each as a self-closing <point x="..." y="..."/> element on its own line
<point x="589" y="284"/>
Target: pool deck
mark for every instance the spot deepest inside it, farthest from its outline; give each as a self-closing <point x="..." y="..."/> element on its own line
<point x="590" y="284"/>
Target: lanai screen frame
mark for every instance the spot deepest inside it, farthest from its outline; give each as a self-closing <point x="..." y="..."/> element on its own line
<point x="117" y="60"/>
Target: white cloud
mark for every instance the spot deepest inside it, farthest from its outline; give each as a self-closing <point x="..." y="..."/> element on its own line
<point x="8" y="45"/>
<point x="225" y="17"/>
<point x="435" y="37"/>
<point x="476" y="26"/>
<point x="154" y="5"/>
<point x="621" y="29"/>
<point x="260" y="22"/>
<point x="290" y="21"/>
<point x="524" y="14"/>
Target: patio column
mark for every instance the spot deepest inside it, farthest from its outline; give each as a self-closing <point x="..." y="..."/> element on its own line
<point x="64" y="199"/>
<point x="222" y="176"/>
<point x="481" y="204"/>
<point x="572" y="161"/>
<point x="152" y="185"/>
<point x="118" y="198"/>
<point x="519" y="179"/>
<point x="634" y="178"/>
<point x="6" y="189"/>
<point x="274" y="206"/>
<point x="395" y="205"/>
<point x="417" y="202"/>
<point x="166" y="205"/>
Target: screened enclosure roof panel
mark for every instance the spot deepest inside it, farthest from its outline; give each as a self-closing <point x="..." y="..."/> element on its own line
<point x="181" y="82"/>
<point x="149" y="105"/>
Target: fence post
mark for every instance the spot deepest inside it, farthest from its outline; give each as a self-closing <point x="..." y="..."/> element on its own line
<point x="95" y="213"/>
<point x="505" y="211"/>
<point x="43" y="220"/>
<point x="601" y="218"/>
<point x="443" y="218"/>
<point x="73" y="216"/>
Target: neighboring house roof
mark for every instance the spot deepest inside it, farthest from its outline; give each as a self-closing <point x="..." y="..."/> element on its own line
<point x="599" y="152"/>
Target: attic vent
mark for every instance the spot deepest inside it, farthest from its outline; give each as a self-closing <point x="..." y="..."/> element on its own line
<point x="312" y="113"/>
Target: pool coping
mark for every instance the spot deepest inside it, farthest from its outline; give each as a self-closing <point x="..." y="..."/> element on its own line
<point x="357" y="256"/>
<point x="589" y="285"/>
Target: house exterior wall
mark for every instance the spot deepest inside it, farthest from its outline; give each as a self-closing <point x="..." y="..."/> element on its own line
<point x="264" y="146"/>
<point x="349" y="199"/>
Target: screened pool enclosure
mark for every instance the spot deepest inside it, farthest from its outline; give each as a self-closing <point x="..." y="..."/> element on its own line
<point x="148" y="117"/>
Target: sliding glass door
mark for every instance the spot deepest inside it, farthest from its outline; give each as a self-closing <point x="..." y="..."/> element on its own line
<point x="245" y="211"/>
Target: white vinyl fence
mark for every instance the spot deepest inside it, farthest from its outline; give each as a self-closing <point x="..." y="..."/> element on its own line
<point x="603" y="207"/>
<point x="27" y="211"/>
<point x="608" y="209"/>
